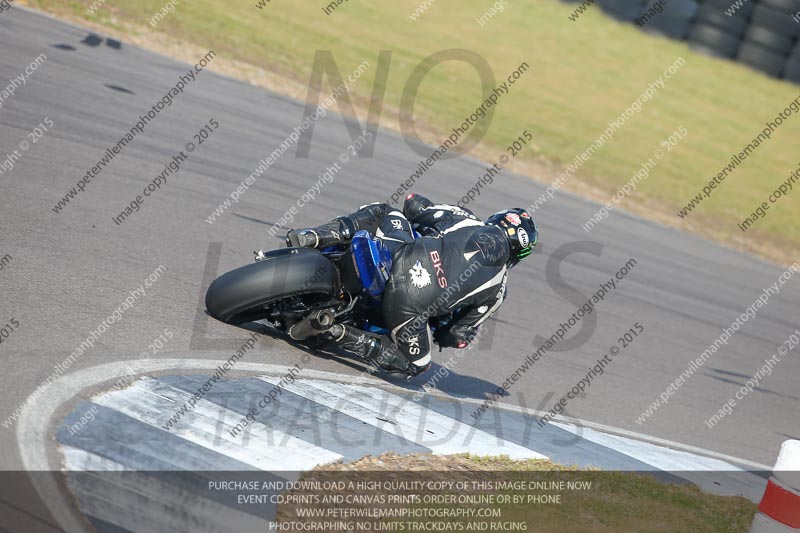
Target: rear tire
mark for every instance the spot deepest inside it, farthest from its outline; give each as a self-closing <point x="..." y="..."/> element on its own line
<point x="242" y="294"/>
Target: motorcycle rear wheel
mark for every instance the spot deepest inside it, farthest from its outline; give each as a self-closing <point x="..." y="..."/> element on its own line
<point x="247" y="293"/>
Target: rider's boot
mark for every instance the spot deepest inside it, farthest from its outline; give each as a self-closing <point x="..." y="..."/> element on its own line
<point x="337" y="230"/>
<point x="340" y="229"/>
<point x="370" y="347"/>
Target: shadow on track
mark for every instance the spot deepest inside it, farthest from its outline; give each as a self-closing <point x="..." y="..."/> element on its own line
<point x="438" y="377"/>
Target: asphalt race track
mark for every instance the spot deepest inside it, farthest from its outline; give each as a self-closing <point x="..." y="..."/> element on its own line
<point x="70" y="270"/>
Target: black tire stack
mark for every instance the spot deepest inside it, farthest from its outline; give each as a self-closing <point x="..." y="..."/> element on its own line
<point x="714" y="32"/>
<point x="759" y="33"/>
<point x="770" y="36"/>
<point x="763" y="34"/>
<point x="673" y="19"/>
<point x="792" y="70"/>
<point x="624" y="10"/>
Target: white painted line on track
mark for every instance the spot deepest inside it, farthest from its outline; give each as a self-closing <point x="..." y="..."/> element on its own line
<point x="207" y="425"/>
<point x="77" y="459"/>
<point x="110" y="371"/>
<point x="659" y="457"/>
<point x="400" y="416"/>
<point x="147" y="501"/>
<point x="342" y="378"/>
<point x="34" y="426"/>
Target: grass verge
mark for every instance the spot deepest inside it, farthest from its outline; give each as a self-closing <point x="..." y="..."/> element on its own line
<point x="584" y="74"/>
<point x="598" y="501"/>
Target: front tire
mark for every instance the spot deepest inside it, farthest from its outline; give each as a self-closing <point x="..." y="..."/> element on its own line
<point x="242" y="295"/>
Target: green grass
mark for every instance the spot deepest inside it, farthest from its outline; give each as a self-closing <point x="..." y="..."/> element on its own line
<point x="583" y="75"/>
<point x="620" y="501"/>
<point x="597" y="501"/>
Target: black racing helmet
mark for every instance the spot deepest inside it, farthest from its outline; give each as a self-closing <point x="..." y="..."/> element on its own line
<point x="520" y="230"/>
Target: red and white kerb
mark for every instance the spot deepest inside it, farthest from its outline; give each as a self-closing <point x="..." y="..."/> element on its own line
<point x="779" y="510"/>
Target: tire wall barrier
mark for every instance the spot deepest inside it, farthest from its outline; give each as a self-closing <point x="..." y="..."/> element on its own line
<point x="762" y="34"/>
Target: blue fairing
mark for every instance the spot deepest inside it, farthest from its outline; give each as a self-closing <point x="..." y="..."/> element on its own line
<point x="373" y="262"/>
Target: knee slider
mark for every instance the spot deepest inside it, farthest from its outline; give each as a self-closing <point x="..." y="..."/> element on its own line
<point x="417" y="370"/>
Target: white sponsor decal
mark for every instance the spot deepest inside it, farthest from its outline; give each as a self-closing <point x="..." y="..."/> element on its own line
<point x="419" y="276"/>
<point x="413" y="345"/>
<point x="503" y="286"/>
<point x="523" y="237"/>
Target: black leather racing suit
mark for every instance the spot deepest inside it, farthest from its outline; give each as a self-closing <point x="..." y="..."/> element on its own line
<point x="458" y="265"/>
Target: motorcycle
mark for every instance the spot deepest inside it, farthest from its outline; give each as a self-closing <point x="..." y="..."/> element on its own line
<point x="301" y="291"/>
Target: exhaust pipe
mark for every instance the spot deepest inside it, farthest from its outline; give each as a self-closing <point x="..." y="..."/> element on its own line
<point x="317" y="322"/>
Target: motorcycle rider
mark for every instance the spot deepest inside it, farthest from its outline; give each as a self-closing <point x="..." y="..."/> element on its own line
<point x="460" y="264"/>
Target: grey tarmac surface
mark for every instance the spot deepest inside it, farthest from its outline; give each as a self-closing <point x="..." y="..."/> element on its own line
<point x="71" y="270"/>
